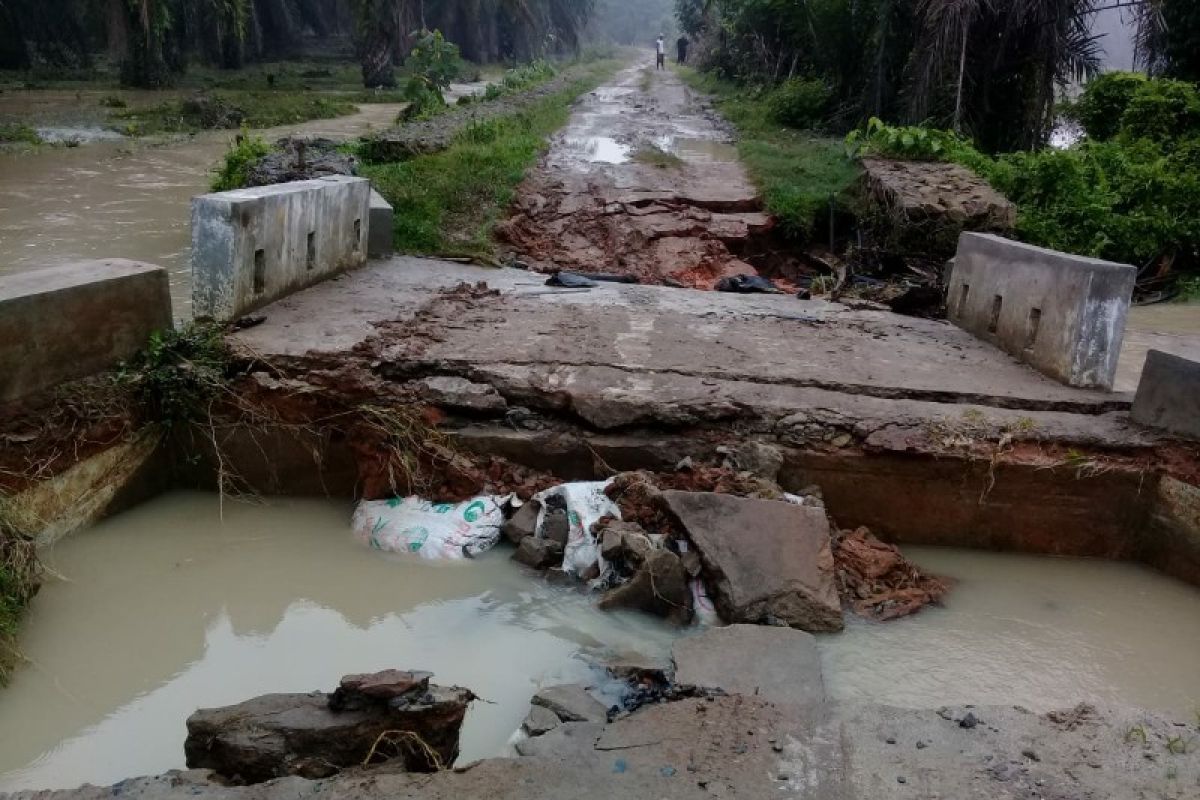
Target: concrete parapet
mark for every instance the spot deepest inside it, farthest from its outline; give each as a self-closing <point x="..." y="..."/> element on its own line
<point x="380" y="242"/>
<point x="1168" y="394"/>
<point x="253" y="246"/>
<point x="1060" y="313"/>
<point x="63" y="323"/>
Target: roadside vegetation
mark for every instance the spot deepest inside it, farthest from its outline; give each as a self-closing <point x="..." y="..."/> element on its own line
<point x="447" y="203"/>
<point x="229" y="110"/>
<point x="799" y="171"/>
<point x="17" y="133"/>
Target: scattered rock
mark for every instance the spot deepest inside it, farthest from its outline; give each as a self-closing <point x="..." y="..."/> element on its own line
<point x="779" y="664"/>
<point x="570" y="702"/>
<point x="538" y="553"/>
<point x="610" y="545"/>
<point x="556" y="527"/>
<point x="539" y="720"/>
<point x="968" y="721"/>
<point x="298" y="159"/>
<point x="660" y="586"/>
<point x="762" y="558"/>
<point x="523" y="523"/>
<point x="758" y="458"/>
<point x="399" y="716"/>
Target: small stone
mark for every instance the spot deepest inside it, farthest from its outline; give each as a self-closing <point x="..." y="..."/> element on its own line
<point x="1031" y="754"/>
<point x="901" y="779"/>
<point x="555" y="526"/>
<point x="891" y="740"/>
<point x="523" y="523"/>
<point x="783" y="776"/>
<point x="921" y="745"/>
<point x="538" y="553"/>
<point x="778" y="748"/>
<point x="945" y="713"/>
<point x="539" y="720"/>
<point x="969" y="721"/>
<point x="610" y="545"/>
<point x="667" y="772"/>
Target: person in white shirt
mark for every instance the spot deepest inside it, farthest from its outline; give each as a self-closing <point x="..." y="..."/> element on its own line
<point x="660" y="62"/>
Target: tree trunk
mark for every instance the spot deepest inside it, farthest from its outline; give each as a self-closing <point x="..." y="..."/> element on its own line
<point x="962" y="71"/>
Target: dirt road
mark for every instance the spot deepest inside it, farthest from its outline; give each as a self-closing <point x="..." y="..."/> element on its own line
<point x="642" y="181"/>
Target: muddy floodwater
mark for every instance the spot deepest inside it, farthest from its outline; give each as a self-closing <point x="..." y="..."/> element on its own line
<point x="168" y="608"/>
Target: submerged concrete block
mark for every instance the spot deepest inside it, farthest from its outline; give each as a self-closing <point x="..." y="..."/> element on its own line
<point x="253" y="246"/>
<point x="1061" y="314"/>
<point x="62" y="323"/>
<point x="1168" y="394"/>
<point x="380" y="242"/>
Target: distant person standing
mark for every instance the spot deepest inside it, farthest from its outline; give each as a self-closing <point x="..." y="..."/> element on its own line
<point x="661" y="53"/>
<point x="681" y="47"/>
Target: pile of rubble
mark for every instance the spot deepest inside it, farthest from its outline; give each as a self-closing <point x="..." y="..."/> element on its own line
<point x="391" y="716"/>
<point x="723" y="544"/>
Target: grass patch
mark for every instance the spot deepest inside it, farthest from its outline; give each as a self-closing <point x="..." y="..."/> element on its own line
<point x="227" y="110"/>
<point x="796" y="171"/>
<point x="655" y="156"/>
<point x="16" y="133"/>
<point x="20" y="577"/>
<point x="234" y="171"/>
<point x="447" y="203"/>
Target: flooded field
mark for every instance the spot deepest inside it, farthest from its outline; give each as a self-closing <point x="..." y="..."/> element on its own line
<point x="168" y="608"/>
<point x="121" y="198"/>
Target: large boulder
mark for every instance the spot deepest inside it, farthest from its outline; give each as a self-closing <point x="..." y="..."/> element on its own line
<point x="779" y="664"/>
<point x="766" y="561"/>
<point x="394" y="716"/>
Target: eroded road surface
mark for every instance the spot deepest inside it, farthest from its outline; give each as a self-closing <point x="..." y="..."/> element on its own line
<point x="643" y="181"/>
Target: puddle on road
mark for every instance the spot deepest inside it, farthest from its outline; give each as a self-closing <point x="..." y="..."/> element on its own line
<point x="705" y="151"/>
<point x="596" y="149"/>
<point x="1175" y="318"/>
<point x="1035" y="631"/>
<point x="166" y="609"/>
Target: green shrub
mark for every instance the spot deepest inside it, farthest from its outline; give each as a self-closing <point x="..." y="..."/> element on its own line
<point x="16" y="132"/>
<point x="434" y="63"/>
<point x="1162" y="110"/>
<point x="1103" y="102"/>
<point x="910" y="142"/>
<point x="179" y="373"/>
<point x="243" y="153"/>
<point x="799" y="102"/>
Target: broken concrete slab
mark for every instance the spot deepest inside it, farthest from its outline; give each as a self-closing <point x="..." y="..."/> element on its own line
<point x="539" y="720"/>
<point x="659" y="586"/>
<point x="522" y="523"/>
<point x="1168" y="394"/>
<point x="538" y="553"/>
<point x="62" y="323"/>
<point x="253" y="246"/>
<point x="315" y="735"/>
<point x="1063" y="314"/>
<point x="460" y="394"/>
<point x="570" y="702"/>
<point x="781" y="665"/>
<point x="763" y="560"/>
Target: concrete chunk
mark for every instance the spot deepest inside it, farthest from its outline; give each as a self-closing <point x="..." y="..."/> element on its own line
<point x="765" y="560"/>
<point x="539" y="720"/>
<point x="1168" y="394"/>
<point x="63" y="323"/>
<point x="1061" y="314"/>
<point x="781" y="665"/>
<point x="570" y="702"/>
<point x="252" y="246"/>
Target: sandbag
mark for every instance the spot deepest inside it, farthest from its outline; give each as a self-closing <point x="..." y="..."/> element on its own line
<point x="438" y="531"/>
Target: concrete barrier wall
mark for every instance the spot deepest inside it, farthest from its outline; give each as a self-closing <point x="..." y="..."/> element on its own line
<point x="1060" y="313"/>
<point x="253" y="246"/>
<point x="63" y="323"/>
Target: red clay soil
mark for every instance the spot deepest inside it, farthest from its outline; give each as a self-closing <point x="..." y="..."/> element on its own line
<point x="877" y="581"/>
<point x="664" y="240"/>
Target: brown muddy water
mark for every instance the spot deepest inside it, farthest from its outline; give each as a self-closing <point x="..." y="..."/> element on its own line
<point x="125" y="198"/>
<point x="168" y="608"/>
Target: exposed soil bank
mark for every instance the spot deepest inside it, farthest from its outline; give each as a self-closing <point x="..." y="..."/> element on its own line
<point x="642" y="183"/>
